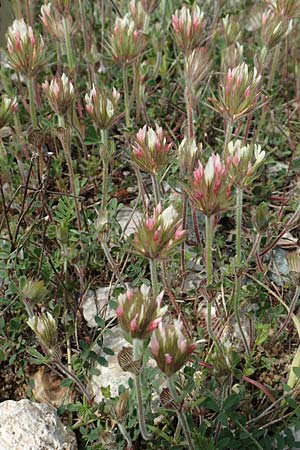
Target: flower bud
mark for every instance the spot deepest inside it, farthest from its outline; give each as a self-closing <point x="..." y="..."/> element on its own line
<point x="34" y="291"/>
<point x="125" y="361"/>
<point x="158" y="235"/>
<point x="209" y="187"/>
<point x="139" y="313"/>
<point x="197" y="65"/>
<point x="63" y="6"/>
<point x="101" y="105"/>
<point x="137" y="13"/>
<point x="232" y="56"/>
<point x="274" y="29"/>
<point x="231" y="30"/>
<point x="60" y="94"/>
<point x="8" y="107"/>
<point x="188" y="25"/>
<point x="122" y="406"/>
<point x="45" y="329"/>
<point x="170" y="349"/>
<point x="52" y="22"/>
<point x="242" y="162"/>
<point x="293" y="260"/>
<point x="150" y="6"/>
<point x="127" y="42"/>
<point x="26" y="49"/>
<point x="188" y="154"/>
<point x="151" y="149"/>
<point x="239" y="93"/>
<point x="287" y="8"/>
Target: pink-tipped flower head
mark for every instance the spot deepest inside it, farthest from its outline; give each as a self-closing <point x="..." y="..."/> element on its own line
<point x="209" y="186"/>
<point x="231" y="30"/>
<point x="26" y="50"/>
<point x="139" y="313"/>
<point x="274" y="28"/>
<point x="170" y="348"/>
<point x="158" y="235"/>
<point x="45" y="329"/>
<point x="151" y="149"/>
<point x="127" y="42"/>
<point x="288" y="9"/>
<point x="137" y="13"/>
<point x="101" y="105"/>
<point x="242" y="163"/>
<point x="53" y="22"/>
<point x="188" y="25"/>
<point x="60" y="94"/>
<point x="197" y="65"/>
<point x="8" y="106"/>
<point x="239" y="94"/>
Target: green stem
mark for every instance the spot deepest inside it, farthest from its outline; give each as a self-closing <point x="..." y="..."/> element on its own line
<point x="104" y="170"/>
<point x="188" y="94"/>
<point x="229" y="128"/>
<point x="69" y="51"/>
<point x="274" y="66"/>
<point x="180" y="414"/>
<point x="154" y="278"/>
<point x="141" y="416"/>
<point x="32" y="103"/>
<point x="238" y="252"/>
<point x="146" y="23"/>
<point x="125" y="434"/>
<point x="112" y="263"/>
<point x="83" y="24"/>
<point x="155" y="188"/>
<point x="209" y="268"/>
<point x="66" y="144"/>
<point x="126" y="96"/>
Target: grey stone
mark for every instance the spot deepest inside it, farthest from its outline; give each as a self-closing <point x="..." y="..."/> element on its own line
<point x="280" y="268"/>
<point x="25" y="425"/>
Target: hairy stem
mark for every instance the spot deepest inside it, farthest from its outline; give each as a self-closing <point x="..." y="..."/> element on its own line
<point x="126" y="96"/>
<point x="209" y="270"/>
<point x="104" y="170"/>
<point x="155" y="188"/>
<point x="238" y="252"/>
<point x="181" y="416"/>
<point x="69" y="50"/>
<point x="154" y="278"/>
<point x="32" y="102"/>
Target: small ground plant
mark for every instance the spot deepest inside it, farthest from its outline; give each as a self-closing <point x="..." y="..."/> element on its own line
<point x="187" y="114"/>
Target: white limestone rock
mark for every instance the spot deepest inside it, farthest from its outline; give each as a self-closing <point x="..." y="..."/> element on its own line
<point x="94" y="304"/>
<point x="111" y="376"/>
<point x="26" y="425"/>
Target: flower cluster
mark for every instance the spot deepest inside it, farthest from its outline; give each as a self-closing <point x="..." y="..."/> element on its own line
<point x="197" y="65"/>
<point x="101" y="106"/>
<point x="150" y="5"/>
<point x="7" y="107"/>
<point x="274" y="28"/>
<point x="63" y="6"/>
<point x="45" y="329"/>
<point x="241" y="167"/>
<point x="239" y="93"/>
<point x="52" y="22"/>
<point x="26" y="49"/>
<point x="60" y="94"/>
<point x="188" y="154"/>
<point x="139" y="313"/>
<point x="137" y="13"/>
<point x="151" y="149"/>
<point x="158" y="235"/>
<point x="232" y="56"/>
<point x="231" y="30"/>
<point x="170" y="348"/>
<point x="188" y="25"/>
<point x="286" y="8"/>
<point x="127" y="42"/>
<point x="209" y="187"/>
